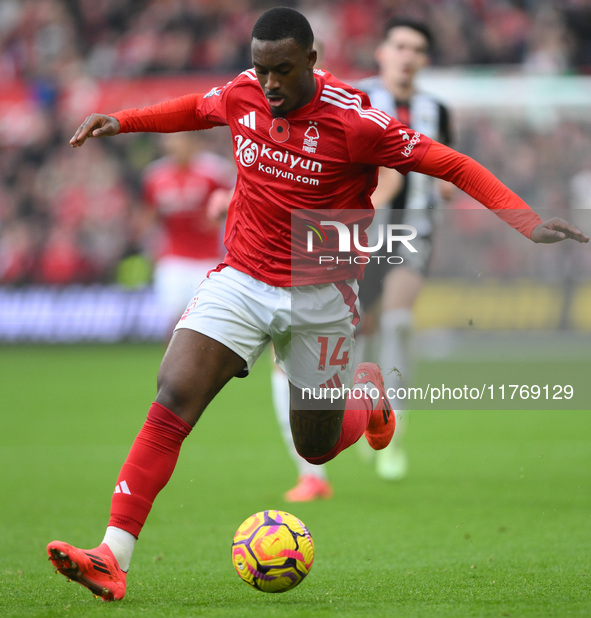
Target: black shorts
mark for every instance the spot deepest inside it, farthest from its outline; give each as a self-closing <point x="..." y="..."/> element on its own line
<point x="370" y="287"/>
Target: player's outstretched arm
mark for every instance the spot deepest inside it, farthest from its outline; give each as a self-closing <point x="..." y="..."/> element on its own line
<point x="443" y="162"/>
<point x="555" y="230"/>
<point x="171" y="116"/>
<point x="95" y="125"/>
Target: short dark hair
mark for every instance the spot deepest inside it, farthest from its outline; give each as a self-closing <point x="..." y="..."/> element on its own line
<point x="282" y="22"/>
<point x="404" y="22"/>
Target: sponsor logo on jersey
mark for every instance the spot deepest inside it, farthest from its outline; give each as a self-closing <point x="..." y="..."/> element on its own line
<point x="311" y="137"/>
<point x="404" y="134"/>
<point x="249" y="121"/>
<point x="416" y="138"/>
<point x="248" y="152"/>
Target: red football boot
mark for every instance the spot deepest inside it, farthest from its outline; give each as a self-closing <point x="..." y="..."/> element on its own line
<point x="382" y="421"/>
<point x="96" y="569"/>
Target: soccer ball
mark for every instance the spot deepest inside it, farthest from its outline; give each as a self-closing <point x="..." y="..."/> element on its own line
<point x="272" y="551"/>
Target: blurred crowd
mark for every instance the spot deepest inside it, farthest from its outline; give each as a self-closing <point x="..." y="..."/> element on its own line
<point x="71" y="216"/>
<point x="52" y="38"/>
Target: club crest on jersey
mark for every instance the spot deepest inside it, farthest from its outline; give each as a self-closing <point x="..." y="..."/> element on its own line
<point x="311" y="137"/>
<point x="279" y="130"/>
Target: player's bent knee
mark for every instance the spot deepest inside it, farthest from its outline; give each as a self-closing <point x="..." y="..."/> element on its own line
<point x="315" y="432"/>
<point x="318" y="461"/>
<point x="181" y="398"/>
<point x="312" y="455"/>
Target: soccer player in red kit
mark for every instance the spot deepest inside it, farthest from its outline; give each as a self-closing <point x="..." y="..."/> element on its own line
<point x="176" y="189"/>
<point x="303" y="142"/>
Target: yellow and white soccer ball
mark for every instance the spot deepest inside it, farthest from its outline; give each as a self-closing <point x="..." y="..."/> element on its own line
<point x="272" y="551"/>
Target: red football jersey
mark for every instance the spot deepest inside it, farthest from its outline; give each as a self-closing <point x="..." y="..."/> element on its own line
<point x="320" y="158"/>
<point x="179" y="194"/>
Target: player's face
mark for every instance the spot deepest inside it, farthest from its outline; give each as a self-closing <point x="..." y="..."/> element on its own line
<point x="402" y="54"/>
<point x="181" y="147"/>
<point x="285" y="73"/>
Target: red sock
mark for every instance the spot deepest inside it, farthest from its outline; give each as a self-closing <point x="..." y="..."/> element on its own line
<point x="355" y="420"/>
<point x="148" y="468"/>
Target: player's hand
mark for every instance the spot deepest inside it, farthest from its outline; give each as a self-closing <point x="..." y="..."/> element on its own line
<point x="555" y="230"/>
<point x="218" y="204"/>
<point x="95" y="125"/>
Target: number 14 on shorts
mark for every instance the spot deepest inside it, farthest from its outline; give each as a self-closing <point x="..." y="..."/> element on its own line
<point x="337" y="358"/>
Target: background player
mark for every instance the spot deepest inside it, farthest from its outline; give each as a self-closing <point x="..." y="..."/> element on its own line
<point x="249" y="302"/>
<point x="389" y="292"/>
<point x="177" y="189"/>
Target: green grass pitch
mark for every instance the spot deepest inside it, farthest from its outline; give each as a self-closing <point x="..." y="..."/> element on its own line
<point x="493" y="520"/>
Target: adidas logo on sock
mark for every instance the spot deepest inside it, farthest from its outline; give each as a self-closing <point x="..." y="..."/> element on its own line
<point x="122" y="488"/>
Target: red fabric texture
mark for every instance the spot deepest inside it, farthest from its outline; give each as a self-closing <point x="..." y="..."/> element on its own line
<point x="148" y="468"/>
<point x="475" y="180"/>
<point x="168" y="117"/>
